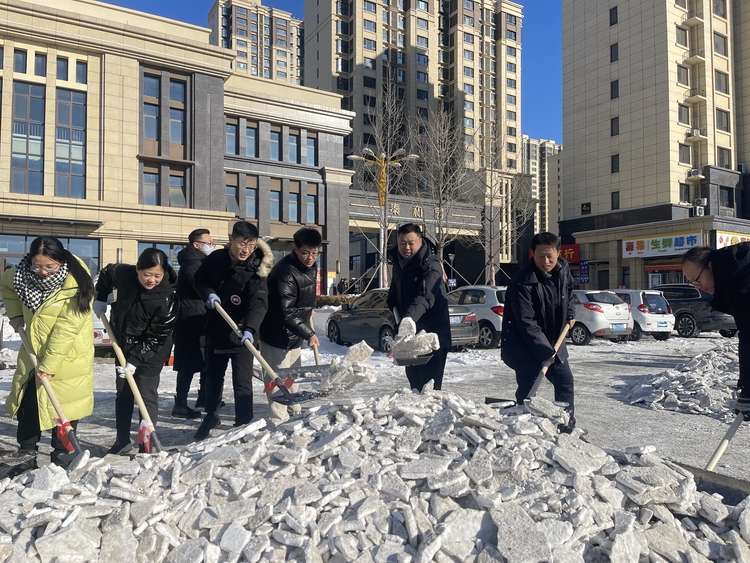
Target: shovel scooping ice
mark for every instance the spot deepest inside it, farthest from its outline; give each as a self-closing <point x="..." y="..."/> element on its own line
<point x="412" y="348"/>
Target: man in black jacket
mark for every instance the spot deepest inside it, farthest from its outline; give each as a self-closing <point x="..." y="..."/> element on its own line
<point x="291" y="301"/>
<point x="234" y="277"/>
<point x="538" y="305"/>
<point x="418" y="293"/>
<point x="725" y="274"/>
<point x="190" y="332"/>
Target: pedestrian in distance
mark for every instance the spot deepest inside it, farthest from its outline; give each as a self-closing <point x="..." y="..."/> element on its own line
<point x="291" y="302"/>
<point x="190" y="332"/>
<point x="343" y="286"/>
<point x="418" y="293"/>
<point x="538" y="305"/>
<point x="235" y="278"/>
<point x="50" y="293"/>
<point x="143" y="322"/>
<point x="725" y="274"/>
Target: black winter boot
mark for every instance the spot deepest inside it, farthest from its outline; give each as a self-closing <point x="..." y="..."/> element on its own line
<point x="210" y="422"/>
<point x="183" y="410"/>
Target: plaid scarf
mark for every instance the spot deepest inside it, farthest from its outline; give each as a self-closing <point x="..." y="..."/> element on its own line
<point x="32" y="289"/>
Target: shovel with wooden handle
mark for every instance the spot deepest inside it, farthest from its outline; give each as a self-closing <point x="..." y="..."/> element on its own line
<point x="62" y="420"/>
<point x="145" y="417"/>
<point x="315" y="348"/>
<point x="738" y="419"/>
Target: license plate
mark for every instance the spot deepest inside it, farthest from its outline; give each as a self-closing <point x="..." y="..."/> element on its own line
<point x="662" y="324"/>
<point x="455" y="320"/>
<point x="618" y="327"/>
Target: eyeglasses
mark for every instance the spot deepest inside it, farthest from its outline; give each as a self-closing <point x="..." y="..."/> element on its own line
<point x="696" y="282"/>
<point x="307" y="254"/>
<point x="52" y="269"/>
<point x="245" y="245"/>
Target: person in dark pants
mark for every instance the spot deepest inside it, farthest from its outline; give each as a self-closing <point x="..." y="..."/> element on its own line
<point x="143" y="321"/>
<point x="50" y="293"/>
<point x="418" y="293"/>
<point x="538" y="305"/>
<point x="343" y="286"/>
<point x="190" y="332"/>
<point x="234" y="277"/>
<point x="291" y="302"/>
<point x="725" y="274"/>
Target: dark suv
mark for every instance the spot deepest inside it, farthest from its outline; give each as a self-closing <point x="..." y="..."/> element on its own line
<point x="692" y="311"/>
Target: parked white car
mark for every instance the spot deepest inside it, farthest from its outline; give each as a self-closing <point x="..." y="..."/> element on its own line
<point x="651" y="313"/>
<point x="101" y="338"/>
<point x="600" y="314"/>
<point x="487" y="301"/>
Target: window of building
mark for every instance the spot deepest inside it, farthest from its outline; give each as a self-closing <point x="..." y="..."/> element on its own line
<point x="177" y="126"/>
<point x="614" y="89"/>
<point x="682" y="75"/>
<point x="511" y="99"/>
<point x="62" y="68"/>
<point x="177" y="195"/>
<point x="468" y="71"/>
<point x="683" y="114"/>
<point x="511" y="162"/>
<point x="726" y="197"/>
<point x="614" y="163"/>
<point x="614" y="126"/>
<point x="685" y="192"/>
<point x="369" y="81"/>
<point x="422" y="59"/>
<point x="312" y="149"/>
<point x="720" y="45"/>
<point x="511" y="19"/>
<point x="275" y="145"/>
<point x="27" y="148"/>
<point x="469" y="89"/>
<point x="251" y="197"/>
<point x="370" y="7"/>
<point x="151" y="192"/>
<point x="421" y="41"/>
<point x="422" y="23"/>
<point x="422" y="95"/>
<point x="722" y="82"/>
<point x="231" y="137"/>
<point x="421" y="76"/>
<point x="615" y="200"/>
<point x="368" y="139"/>
<point x="422" y="5"/>
<point x="468" y="106"/>
<point x="681" y="3"/>
<point x="510" y="115"/>
<point x="275" y="203"/>
<point x="311" y="208"/>
<point x="511" y="51"/>
<point x="614" y="52"/>
<point x="81" y="72"/>
<point x="613" y="16"/>
<point x="720" y="8"/>
<point x="724" y="158"/>
<point x="371" y="26"/>
<point x="468" y="55"/>
<point x="511" y="131"/>
<point x="468" y="122"/>
<point x="511" y="147"/>
<point x="469" y="5"/>
<point x="151" y="122"/>
<point x="468" y="38"/>
<point x="19" y="61"/>
<point x="294" y="206"/>
<point x="511" y="83"/>
<point x="511" y="67"/>
<point x="510" y="34"/>
<point x="40" y="64"/>
<point x="370" y="44"/>
<point x="685" y="156"/>
<point x="681" y="36"/>
<point x="369" y="63"/>
<point x="294" y="148"/>
<point x="70" y="144"/>
<point x="722" y="120"/>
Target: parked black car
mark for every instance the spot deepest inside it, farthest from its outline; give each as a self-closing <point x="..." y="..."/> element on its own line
<point x="368" y="319"/>
<point x="692" y="311"/>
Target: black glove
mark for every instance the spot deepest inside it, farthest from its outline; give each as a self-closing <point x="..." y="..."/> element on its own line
<point x="742" y="406"/>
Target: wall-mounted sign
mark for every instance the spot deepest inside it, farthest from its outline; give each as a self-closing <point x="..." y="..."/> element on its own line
<point x="586" y="208"/>
<point x="583" y="271"/>
<point x="728" y="239"/>
<point x="664" y="245"/>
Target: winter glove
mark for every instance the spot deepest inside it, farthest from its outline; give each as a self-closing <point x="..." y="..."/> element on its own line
<point x="121" y="370"/>
<point x="247" y="335"/>
<point x="742" y="406"/>
<point x="212" y="298"/>
<point x="407" y="328"/>
<point x="100" y="308"/>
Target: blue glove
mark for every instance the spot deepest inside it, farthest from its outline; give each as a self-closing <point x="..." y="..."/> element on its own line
<point x="100" y="308"/>
<point x="121" y="370"/>
<point x="247" y="335"/>
<point x="211" y="299"/>
<point x="742" y="406"/>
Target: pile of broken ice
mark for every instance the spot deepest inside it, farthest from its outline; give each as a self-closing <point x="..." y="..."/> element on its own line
<point x="704" y="385"/>
<point x="407" y="477"/>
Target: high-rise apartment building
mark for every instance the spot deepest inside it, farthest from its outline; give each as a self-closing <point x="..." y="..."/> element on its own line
<point x="654" y="132"/>
<point x="535" y="160"/>
<point x="267" y="42"/>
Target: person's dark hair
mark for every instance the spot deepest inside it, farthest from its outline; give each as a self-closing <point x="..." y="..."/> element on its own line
<point x="196" y="234"/>
<point x="53" y="249"/>
<point x="154" y="257"/>
<point x="700" y="255"/>
<point x="307" y="236"/>
<point x="546" y="238"/>
<point x="245" y="230"/>
<point x="407" y="228"/>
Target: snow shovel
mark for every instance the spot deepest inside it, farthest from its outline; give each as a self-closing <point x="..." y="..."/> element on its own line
<point x="412" y="361"/>
<point x="65" y="431"/>
<point x="147" y="433"/>
<point x="738" y="419"/>
<point x="290" y="375"/>
<point x="539" y="377"/>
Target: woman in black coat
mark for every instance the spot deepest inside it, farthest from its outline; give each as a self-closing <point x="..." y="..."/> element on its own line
<point x="418" y="291"/>
<point x="143" y="320"/>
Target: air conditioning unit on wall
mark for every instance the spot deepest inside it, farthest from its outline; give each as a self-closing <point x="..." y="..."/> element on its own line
<point x="698" y="211"/>
<point x="695" y="172"/>
<point x="695" y="132"/>
<point x="700" y="202"/>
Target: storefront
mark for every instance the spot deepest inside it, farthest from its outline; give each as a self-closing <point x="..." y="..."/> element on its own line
<point x="661" y="255"/>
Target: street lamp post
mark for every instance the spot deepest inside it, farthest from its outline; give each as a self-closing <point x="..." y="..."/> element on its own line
<point x="382" y="163"/>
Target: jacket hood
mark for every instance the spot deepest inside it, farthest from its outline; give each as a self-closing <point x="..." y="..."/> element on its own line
<point x="266" y="258"/>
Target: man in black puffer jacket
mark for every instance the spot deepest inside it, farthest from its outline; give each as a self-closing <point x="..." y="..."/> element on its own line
<point x="190" y="332"/>
<point x="291" y="301"/>
<point x="418" y="292"/>
<point x="234" y="277"/>
<point x="725" y="274"/>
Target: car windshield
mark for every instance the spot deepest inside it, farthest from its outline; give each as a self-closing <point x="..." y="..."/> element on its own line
<point x="655" y="302"/>
<point x="604" y="297"/>
<point x="501" y="296"/>
<point x="625" y="297"/>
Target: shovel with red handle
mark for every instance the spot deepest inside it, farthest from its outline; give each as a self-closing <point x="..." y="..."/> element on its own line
<point x="65" y="431"/>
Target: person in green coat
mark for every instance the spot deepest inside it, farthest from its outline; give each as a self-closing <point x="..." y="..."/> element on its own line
<point x="50" y="293"/>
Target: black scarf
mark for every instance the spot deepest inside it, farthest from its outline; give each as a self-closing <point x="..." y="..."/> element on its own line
<point x="34" y="290"/>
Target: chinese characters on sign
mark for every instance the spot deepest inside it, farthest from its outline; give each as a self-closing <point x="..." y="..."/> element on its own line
<point x="583" y="273"/>
<point x="394" y="209"/>
<point x="665" y="245"/>
<point x="571" y="252"/>
<point x="728" y="239"/>
<point x="416" y="211"/>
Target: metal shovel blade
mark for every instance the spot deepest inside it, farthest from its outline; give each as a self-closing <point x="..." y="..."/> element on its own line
<point x="299" y="371"/>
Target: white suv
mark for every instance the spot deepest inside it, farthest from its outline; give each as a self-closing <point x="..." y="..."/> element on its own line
<point x="600" y="313"/>
<point x="651" y="313"/>
<point x="487" y="301"/>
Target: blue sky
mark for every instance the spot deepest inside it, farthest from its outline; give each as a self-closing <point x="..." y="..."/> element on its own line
<point x="541" y="64"/>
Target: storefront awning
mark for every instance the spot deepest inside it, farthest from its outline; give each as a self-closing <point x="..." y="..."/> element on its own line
<point x="663" y="267"/>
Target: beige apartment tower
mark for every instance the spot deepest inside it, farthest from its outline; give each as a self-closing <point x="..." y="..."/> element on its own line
<point x="651" y="133"/>
<point x="536" y="157"/>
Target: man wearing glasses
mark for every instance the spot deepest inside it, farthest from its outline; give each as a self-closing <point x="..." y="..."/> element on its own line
<point x="725" y="274"/>
<point x="235" y="278"/>
<point x="291" y="301"/>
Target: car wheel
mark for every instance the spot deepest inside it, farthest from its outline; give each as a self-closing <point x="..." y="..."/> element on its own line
<point x="386" y="331"/>
<point x="488" y="336"/>
<point x="334" y="334"/>
<point x="662" y="336"/>
<point x="686" y="326"/>
<point x="636" y="335"/>
<point x="727" y="333"/>
<point x="580" y="335"/>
